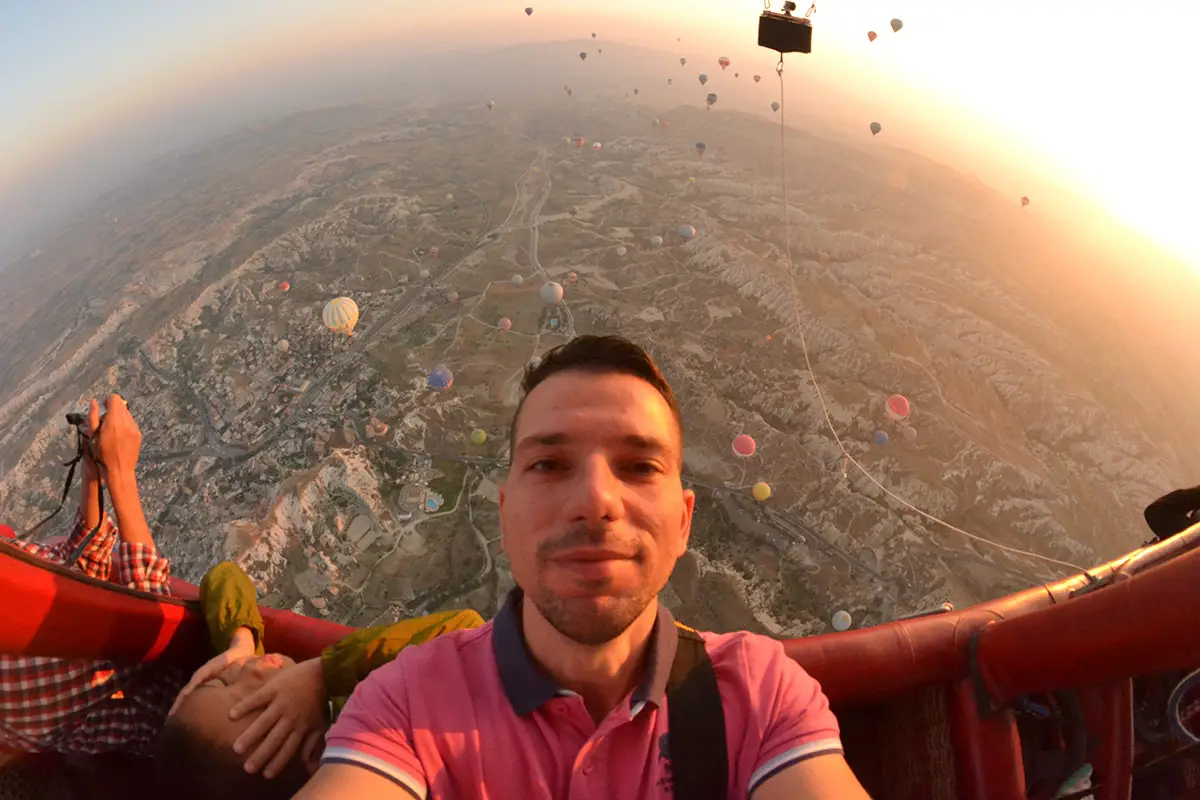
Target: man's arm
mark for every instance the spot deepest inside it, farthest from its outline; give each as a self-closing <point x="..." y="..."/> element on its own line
<point x="358" y="654"/>
<point x="1168" y="515"/>
<point x="826" y="776"/>
<point x="344" y="780"/>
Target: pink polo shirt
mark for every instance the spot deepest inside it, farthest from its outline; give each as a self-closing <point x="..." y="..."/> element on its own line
<point x="468" y="715"/>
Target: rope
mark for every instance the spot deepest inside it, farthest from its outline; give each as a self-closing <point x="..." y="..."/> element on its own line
<point x="787" y="232"/>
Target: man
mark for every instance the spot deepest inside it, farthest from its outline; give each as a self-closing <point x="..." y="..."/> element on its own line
<point x="66" y="706"/>
<point x="562" y="695"/>
<point x="245" y="701"/>
<point x="1174" y="512"/>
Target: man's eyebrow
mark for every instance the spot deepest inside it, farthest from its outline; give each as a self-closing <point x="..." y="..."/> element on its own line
<point x="635" y="440"/>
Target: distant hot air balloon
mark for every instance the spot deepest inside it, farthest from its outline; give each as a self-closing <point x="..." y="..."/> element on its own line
<point x="441" y="379"/>
<point x="876" y="128"/>
<point x="435" y="252"/>
<point x="872" y="36"/>
<point x="596" y="146"/>
<point x="711" y="100"/>
<point x="762" y="491"/>
<point x="683" y="62"/>
<point x="600" y="51"/>
<point x="775" y="106"/>
<point x="700" y="148"/>
<point x="583" y="56"/>
<point x="897" y="407"/>
<point x="423" y="274"/>
<point x="897" y="25"/>
<point x="593" y="36"/>
<point x="842" y="621"/>
<point x="478" y="436"/>
<point x="505" y="324"/>
<point x="910" y="434"/>
<point x="881" y="438"/>
<point x="737" y="74"/>
<point x="744" y="445"/>
<point x="692" y="180"/>
<point x="656" y="241"/>
<point x="703" y="79"/>
<point x="284" y="286"/>
<point x="449" y="197"/>
<point x="340" y="315"/>
<point x="670" y="82"/>
<point x="452" y="296"/>
<point x="757" y="78"/>
<point x="551" y="293"/>
<point x="579" y="141"/>
<point x="282" y="345"/>
<point x="573" y="278"/>
<point x="529" y="12"/>
<point x="621" y="250"/>
<point x="1024" y="202"/>
<point x="654" y="122"/>
<point x="635" y="92"/>
<point x="569" y="90"/>
<point x="517" y="280"/>
<point x="687" y="232"/>
<point x="491" y="104"/>
<point x="724" y="62"/>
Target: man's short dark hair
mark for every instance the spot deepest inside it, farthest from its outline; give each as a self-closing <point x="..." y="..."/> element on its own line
<point x="188" y="766"/>
<point x="596" y="354"/>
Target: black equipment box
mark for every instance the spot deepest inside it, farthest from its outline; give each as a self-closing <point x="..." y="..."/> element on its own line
<point x="784" y="33"/>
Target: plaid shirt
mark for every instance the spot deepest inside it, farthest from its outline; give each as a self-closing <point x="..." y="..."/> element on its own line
<point x="67" y="706"/>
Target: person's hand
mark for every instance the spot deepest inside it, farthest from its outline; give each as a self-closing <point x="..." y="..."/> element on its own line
<point x="292" y="704"/>
<point x="119" y="440"/>
<point x="241" y="647"/>
<point x="91" y="470"/>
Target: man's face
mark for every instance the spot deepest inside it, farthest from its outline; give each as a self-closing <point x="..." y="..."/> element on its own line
<point x="593" y="515"/>
<point x="206" y="710"/>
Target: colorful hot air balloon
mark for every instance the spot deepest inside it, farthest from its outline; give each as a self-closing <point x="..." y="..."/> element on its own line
<point x="724" y="62"/>
<point x="872" y="35"/>
<point x="683" y="62"/>
<point x="656" y="241"/>
<point x="762" y="491"/>
<point x="687" y="232"/>
<point x="340" y="315"/>
<point x="775" y="106"/>
<point x="897" y="407"/>
<point x="897" y="25"/>
<point x="757" y="78"/>
<point x="572" y="278"/>
<point x="441" y="379"/>
<point x="478" y="436"/>
<point x="744" y="445"/>
<point x="579" y="141"/>
<point x="583" y="56"/>
<point x="505" y="324"/>
<point x="700" y="148"/>
<point x="881" y="438"/>
<point x="703" y="79"/>
<point x="517" y="280"/>
<point x="596" y="146"/>
<point x="529" y="12"/>
<point x="1024" y="202"/>
<point x="284" y="286"/>
<point x="551" y="293"/>
<point x="876" y="128"/>
<point x="711" y="100"/>
<point x="842" y="621"/>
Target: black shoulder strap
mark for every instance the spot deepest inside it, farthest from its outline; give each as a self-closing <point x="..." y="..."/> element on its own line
<point x="698" y="751"/>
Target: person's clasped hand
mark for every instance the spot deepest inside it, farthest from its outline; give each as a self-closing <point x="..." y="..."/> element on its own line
<point x="119" y="441"/>
<point x="241" y="648"/>
<point x="292" y="719"/>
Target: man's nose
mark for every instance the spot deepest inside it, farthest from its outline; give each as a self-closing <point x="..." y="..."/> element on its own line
<point x="596" y="494"/>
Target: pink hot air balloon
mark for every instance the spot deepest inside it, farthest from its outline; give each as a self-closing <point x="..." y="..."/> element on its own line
<point x="898" y="407"/>
<point x="744" y="446"/>
<point x="597" y="147"/>
<point x="724" y="62"/>
<point x="872" y="35"/>
<point x="435" y="252"/>
<point x="505" y="324"/>
<point x="284" y="286"/>
<point x="573" y="278"/>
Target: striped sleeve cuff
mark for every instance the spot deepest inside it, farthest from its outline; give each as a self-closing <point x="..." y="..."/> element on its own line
<point x="139" y="566"/>
<point x="382" y="768"/>
<point x="821" y="747"/>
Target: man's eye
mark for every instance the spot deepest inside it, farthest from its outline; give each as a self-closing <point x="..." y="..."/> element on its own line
<point x="646" y="468"/>
<point x="545" y="465"/>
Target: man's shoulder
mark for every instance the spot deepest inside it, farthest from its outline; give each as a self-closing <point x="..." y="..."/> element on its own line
<point x="755" y="664"/>
<point x="431" y="659"/>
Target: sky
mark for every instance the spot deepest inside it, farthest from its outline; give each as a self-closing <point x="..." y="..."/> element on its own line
<point x="1097" y="96"/>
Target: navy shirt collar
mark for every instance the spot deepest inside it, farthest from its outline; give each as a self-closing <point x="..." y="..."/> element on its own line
<point x="528" y="687"/>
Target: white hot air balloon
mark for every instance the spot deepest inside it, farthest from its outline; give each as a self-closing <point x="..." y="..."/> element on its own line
<point x="656" y="241"/>
<point x="842" y="621"/>
<point x="621" y="250"/>
<point x="551" y="293"/>
<point x="517" y="280"/>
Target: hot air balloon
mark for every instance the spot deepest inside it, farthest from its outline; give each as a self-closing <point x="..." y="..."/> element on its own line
<point x="842" y="621"/>
<point x="478" y="436"/>
<point x="593" y="36"/>
<point x="654" y="122"/>
<point x="517" y="280"/>
<point x="579" y="141"/>
<point x="757" y="78"/>
<point x="583" y="56"/>
<point x="600" y="51"/>
<point x="529" y="12"/>
<point x="737" y="74"/>
<point x="435" y="252"/>
<point x="441" y="379"/>
<point x="1024" y="202"/>
<point x="762" y="491"/>
<point x="775" y="106"/>
<point x="670" y="82"/>
<point x="452" y="296"/>
<point x="724" y="62"/>
<point x="423" y="274"/>
<point x="700" y="148"/>
<point x="572" y="278"/>
<point x="449" y="197"/>
<point x="282" y="345"/>
<point x="491" y="104"/>
<point x="621" y="250"/>
<point x="569" y="91"/>
<point x="340" y="315"/>
<point x="711" y="100"/>
<point x="897" y="407"/>
<point x="656" y="241"/>
<point x="692" y="180"/>
<point x="881" y="438"/>
<point x="897" y="25"/>
<point x="687" y="232"/>
<point x="910" y="434"/>
<point x="505" y="324"/>
<point x="551" y="293"/>
<point x="284" y="286"/>
<point x="744" y="445"/>
<point x="703" y="79"/>
<point x="596" y="146"/>
<point x="871" y="36"/>
<point x="876" y="128"/>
